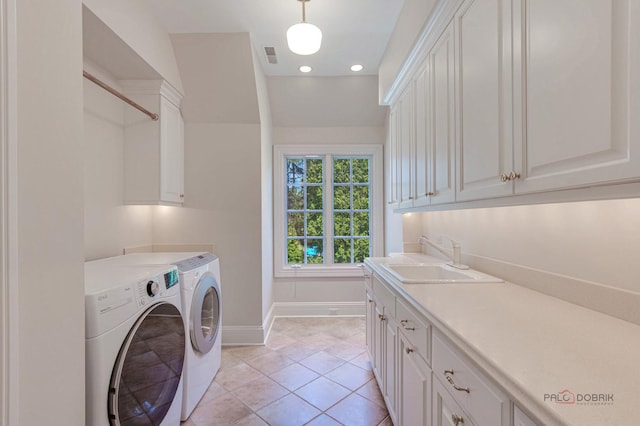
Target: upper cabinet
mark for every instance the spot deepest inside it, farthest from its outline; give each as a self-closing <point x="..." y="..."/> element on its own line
<point x="512" y="98"/>
<point x="153" y="150"/>
<point x="576" y="97"/>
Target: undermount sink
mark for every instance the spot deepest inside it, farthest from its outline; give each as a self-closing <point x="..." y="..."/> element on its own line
<point x="428" y="273"/>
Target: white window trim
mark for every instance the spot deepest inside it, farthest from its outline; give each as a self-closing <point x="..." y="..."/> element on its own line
<point x="280" y="152"/>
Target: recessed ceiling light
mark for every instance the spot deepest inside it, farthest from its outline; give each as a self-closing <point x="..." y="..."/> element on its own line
<point x="305" y="68"/>
<point x="356" y="67"/>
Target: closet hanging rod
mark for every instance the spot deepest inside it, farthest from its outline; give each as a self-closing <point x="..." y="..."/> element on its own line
<point x="117" y="94"/>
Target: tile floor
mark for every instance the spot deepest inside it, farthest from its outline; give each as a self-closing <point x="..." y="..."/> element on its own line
<point x="312" y="371"/>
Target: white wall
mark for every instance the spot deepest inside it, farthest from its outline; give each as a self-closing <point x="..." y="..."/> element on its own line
<point x="409" y="25"/>
<point x="109" y="226"/>
<point x="266" y="167"/>
<point x="222" y="206"/>
<point x="50" y="253"/>
<point x="131" y="21"/>
<point x="583" y="252"/>
<point x="304" y="295"/>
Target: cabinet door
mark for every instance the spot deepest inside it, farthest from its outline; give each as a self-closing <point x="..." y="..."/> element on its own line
<point x="442" y="130"/>
<point x="171" y="153"/>
<point x="414" y="383"/>
<point x="370" y="324"/>
<point x="390" y="350"/>
<point x="393" y="154"/>
<point x="378" y="352"/>
<point x="406" y="133"/>
<point x="579" y="103"/>
<point x="446" y="412"/>
<point x="422" y="170"/>
<point x="521" y="419"/>
<point x="484" y="106"/>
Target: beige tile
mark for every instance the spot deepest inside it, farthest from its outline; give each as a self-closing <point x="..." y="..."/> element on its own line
<point x="298" y="351"/>
<point x="355" y="410"/>
<point x="279" y="340"/>
<point x="322" y="393"/>
<point x="237" y="376"/>
<point x="248" y="352"/>
<point x="187" y="422"/>
<point x="319" y="340"/>
<point x="323" y="420"/>
<point x="362" y="361"/>
<point x="350" y="376"/>
<point x="358" y="339"/>
<point x="371" y="391"/>
<point x="252" y="420"/>
<point x="224" y="410"/>
<point x="290" y="410"/>
<point x="214" y="391"/>
<point x="228" y="360"/>
<point x="260" y="392"/>
<point x="294" y="376"/>
<point x="322" y="362"/>
<point x="270" y="363"/>
<point x="386" y="422"/>
<point x="345" y="350"/>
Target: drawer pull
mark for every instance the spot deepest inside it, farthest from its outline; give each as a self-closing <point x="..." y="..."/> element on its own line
<point x="408" y="350"/>
<point x="410" y="328"/>
<point x="382" y="317"/>
<point x="456" y="419"/>
<point x="448" y="374"/>
<point x="404" y="321"/>
<point x="370" y="300"/>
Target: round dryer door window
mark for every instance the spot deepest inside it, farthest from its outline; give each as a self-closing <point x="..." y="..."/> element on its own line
<point x="205" y="314"/>
<point x="147" y="372"/>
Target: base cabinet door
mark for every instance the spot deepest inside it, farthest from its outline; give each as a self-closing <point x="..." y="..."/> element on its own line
<point x="390" y="351"/>
<point x="370" y="324"/>
<point x="414" y="383"/>
<point x="446" y="412"/>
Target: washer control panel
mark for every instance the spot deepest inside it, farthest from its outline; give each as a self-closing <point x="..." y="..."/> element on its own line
<point x="157" y="287"/>
<point x="195" y="262"/>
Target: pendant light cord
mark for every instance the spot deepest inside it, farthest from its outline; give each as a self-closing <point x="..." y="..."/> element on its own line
<point x="304" y="12"/>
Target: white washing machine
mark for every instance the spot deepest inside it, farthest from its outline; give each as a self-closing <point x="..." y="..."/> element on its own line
<point x="201" y="306"/>
<point x="135" y="344"/>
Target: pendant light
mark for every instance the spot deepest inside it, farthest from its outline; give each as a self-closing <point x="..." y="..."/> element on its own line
<point x="304" y="38"/>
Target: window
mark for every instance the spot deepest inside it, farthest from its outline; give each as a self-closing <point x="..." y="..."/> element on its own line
<point x="328" y="208"/>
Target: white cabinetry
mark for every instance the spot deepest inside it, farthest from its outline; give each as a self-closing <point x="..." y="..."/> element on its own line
<point x="446" y="412"/>
<point x="489" y="108"/>
<point x="414" y="376"/>
<point x="521" y="419"/>
<point x="153" y="150"/>
<point x="578" y="97"/>
<point x="482" y="29"/>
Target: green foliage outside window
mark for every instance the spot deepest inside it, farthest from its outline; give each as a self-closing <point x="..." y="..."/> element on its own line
<point x="305" y="210"/>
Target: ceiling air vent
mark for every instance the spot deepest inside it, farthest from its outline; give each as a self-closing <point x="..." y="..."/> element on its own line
<point x="271" y="54"/>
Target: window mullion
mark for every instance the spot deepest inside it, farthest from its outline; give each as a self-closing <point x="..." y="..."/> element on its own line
<point x="328" y="209"/>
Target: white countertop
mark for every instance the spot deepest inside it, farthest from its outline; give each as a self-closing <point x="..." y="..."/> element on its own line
<point x="532" y="344"/>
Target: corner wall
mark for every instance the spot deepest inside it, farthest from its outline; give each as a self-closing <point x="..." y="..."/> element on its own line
<point x="50" y="257"/>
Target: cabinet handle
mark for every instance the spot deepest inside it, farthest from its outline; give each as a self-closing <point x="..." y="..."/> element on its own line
<point x="410" y="328"/>
<point x="504" y="177"/>
<point x="404" y="321"/>
<point x="408" y="350"/>
<point x="391" y="202"/>
<point x="410" y="197"/>
<point x="181" y="195"/>
<point x="448" y="374"/>
<point x="456" y="419"/>
<point x="370" y="300"/>
<point x="429" y="194"/>
<point x="382" y="317"/>
<point x="513" y="175"/>
<point x="508" y="177"/>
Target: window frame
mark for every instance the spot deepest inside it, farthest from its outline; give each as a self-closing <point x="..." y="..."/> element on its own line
<point x="280" y="153"/>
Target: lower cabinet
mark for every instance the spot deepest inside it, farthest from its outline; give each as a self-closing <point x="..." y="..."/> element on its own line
<point x="424" y="378"/>
<point x="414" y="379"/>
<point x="446" y="412"/>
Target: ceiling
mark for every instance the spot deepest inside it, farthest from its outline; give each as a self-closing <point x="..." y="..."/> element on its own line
<point x="354" y="31"/>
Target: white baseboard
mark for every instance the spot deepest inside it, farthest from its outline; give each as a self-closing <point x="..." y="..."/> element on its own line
<point x="318" y="309"/>
<point x="256" y="335"/>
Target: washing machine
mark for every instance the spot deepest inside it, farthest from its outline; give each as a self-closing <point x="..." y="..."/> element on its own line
<point x="135" y="344"/>
<point x="199" y="274"/>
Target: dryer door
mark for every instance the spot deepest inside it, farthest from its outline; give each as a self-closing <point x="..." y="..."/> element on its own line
<point x="147" y="372"/>
<point x="204" y="323"/>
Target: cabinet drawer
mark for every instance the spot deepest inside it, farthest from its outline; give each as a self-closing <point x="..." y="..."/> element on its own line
<point x="416" y="330"/>
<point x="486" y="404"/>
<point x="384" y="296"/>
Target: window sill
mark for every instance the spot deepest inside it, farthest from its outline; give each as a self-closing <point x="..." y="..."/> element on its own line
<point x="318" y="271"/>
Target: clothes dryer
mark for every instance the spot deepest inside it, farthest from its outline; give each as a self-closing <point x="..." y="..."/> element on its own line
<point x="201" y="306"/>
<point x="135" y="344"/>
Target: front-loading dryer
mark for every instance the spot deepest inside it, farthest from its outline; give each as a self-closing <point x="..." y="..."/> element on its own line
<point x="201" y="307"/>
<point x="135" y="345"/>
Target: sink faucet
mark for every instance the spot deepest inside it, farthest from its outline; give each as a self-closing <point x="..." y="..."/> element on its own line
<point x="454" y="259"/>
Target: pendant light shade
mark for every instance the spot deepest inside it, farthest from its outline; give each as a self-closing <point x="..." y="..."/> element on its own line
<point x="304" y="38"/>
